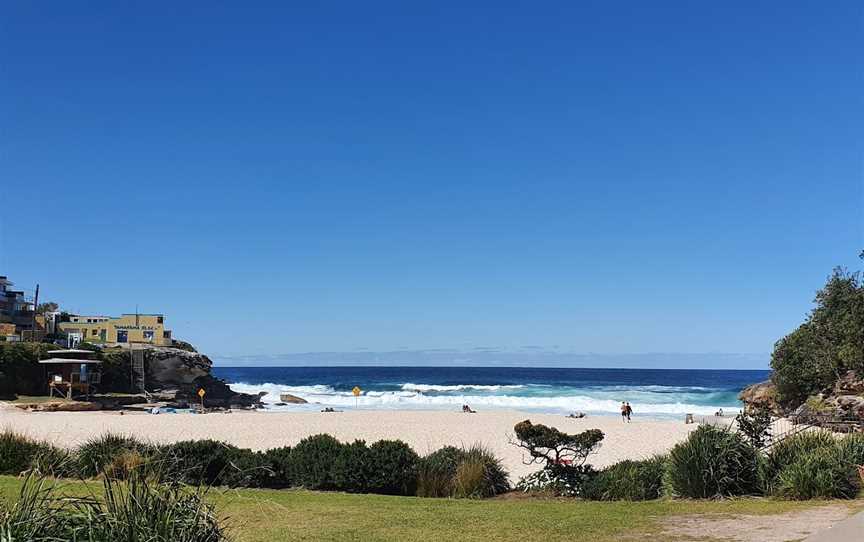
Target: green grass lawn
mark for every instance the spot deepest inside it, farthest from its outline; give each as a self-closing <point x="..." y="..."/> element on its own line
<point x="268" y="516"/>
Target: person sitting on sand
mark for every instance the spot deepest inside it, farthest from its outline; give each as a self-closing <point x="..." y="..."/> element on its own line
<point x="467" y="409"/>
<point x="576" y="415"/>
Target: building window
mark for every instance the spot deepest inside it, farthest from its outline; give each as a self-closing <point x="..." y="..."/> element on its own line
<point x="122" y="336"/>
<point x="159" y="319"/>
<point x="148" y="335"/>
<point x="95" y="332"/>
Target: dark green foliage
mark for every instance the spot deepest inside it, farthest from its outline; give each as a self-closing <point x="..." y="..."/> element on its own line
<point x="16" y="452"/>
<point x="819" y="473"/>
<point x="278" y="462"/>
<point x="712" y="463"/>
<point x="136" y="509"/>
<point x="554" y="447"/>
<point x="755" y="424"/>
<point x="789" y="450"/>
<point x="560" y="481"/>
<point x="96" y="454"/>
<point x="629" y="481"/>
<point x="313" y="462"/>
<point x="827" y="345"/>
<point x="208" y="462"/>
<point x="436" y="471"/>
<point x="20" y="372"/>
<point x="353" y="468"/>
<point x="852" y="447"/>
<point x="394" y="470"/>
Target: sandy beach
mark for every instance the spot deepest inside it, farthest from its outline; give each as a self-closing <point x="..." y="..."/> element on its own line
<point x="424" y="430"/>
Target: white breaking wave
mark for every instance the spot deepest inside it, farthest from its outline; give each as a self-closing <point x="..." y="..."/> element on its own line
<point x="458" y="387"/>
<point x="415" y="399"/>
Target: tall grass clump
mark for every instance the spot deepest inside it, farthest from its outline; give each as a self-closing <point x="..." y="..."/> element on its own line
<point x="711" y="463"/>
<point x="141" y="508"/>
<point x="35" y="516"/>
<point x="789" y="450"/>
<point x="18" y="454"/>
<point x="629" y="481"/>
<point x="480" y="474"/>
<point x="852" y="447"/>
<point x="820" y="473"/>
<point x="436" y="471"/>
<point x="99" y="452"/>
<point x="138" y="509"/>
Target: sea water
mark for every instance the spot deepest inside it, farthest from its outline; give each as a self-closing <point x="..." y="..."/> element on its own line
<point x="656" y="393"/>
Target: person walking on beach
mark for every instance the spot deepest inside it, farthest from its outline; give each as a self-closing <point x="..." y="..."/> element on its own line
<point x="623" y="412"/>
<point x="628" y="410"/>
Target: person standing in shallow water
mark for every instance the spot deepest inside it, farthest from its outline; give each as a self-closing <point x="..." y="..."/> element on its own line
<point x="623" y="411"/>
<point x="627" y="411"/>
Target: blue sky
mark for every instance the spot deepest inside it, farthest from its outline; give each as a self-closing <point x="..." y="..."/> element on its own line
<point x="589" y="177"/>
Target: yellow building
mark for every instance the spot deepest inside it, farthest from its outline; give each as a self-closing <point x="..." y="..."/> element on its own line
<point x="128" y="328"/>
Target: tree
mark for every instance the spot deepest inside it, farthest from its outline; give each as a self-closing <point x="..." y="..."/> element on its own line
<point x="827" y="345"/>
<point x="553" y="447"/>
<point x="755" y="424"/>
<point x="49" y="306"/>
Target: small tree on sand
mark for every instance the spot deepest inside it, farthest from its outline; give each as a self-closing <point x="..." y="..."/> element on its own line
<point x="755" y="424"/>
<point x="563" y="457"/>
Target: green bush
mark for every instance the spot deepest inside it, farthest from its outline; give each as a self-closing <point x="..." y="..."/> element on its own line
<point x="788" y="450"/>
<point x="313" y="461"/>
<point x="629" y="481"/>
<point x="195" y="462"/>
<point x="393" y="468"/>
<point x="278" y="462"/>
<point x="96" y="454"/>
<point x="353" y="468"/>
<point x="436" y="471"/>
<point x="820" y="473"/>
<point x="559" y="481"/>
<point x="712" y="462"/>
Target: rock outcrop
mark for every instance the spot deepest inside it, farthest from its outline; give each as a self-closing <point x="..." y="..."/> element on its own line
<point x="761" y="395"/>
<point x="292" y="399"/>
<point x="185" y="372"/>
<point x="844" y="400"/>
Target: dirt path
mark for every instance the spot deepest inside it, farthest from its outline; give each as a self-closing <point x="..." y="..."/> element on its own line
<point x="785" y="527"/>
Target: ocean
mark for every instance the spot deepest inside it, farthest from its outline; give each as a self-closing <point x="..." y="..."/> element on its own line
<point x="656" y="393"/>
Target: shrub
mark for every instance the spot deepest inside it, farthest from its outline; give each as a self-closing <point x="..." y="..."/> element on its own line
<point x="788" y="450"/>
<point x="712" y="462"/>
<point x="755" y="424"/>
<point x="559" y="480"/>
<point x="629" y="481"/>
<point x="313" y="460"/>
<point x="469" y="480"/>
<point x="99" y="452"/>
<point x="819" y="473"/>
<point x="394" y="468"/>
<point x="436" y="471"/>
<point x="195" y="462"/>
<point x="353" y="468"/>
<point x="278" y="462"/>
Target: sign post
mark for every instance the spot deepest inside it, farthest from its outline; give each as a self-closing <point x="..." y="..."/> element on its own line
<point x="356" y="391"/>
<point x="201" y="394"/>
